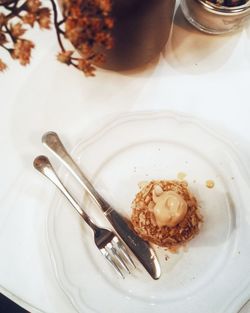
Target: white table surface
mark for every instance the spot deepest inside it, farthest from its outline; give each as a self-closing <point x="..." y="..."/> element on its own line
<point x="198" y="74"/>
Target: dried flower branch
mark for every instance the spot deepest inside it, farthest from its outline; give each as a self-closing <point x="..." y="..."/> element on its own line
<point x="86" y="24"/>
<point x="15" y="18"/>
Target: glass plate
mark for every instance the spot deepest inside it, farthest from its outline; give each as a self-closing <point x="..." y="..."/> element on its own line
<point x="212" y="274"/>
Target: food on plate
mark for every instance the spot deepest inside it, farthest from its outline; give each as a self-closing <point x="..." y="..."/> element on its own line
<point x="181" y="175"/>
<point x="210" y="184"/>
<point x="166" y="213"/>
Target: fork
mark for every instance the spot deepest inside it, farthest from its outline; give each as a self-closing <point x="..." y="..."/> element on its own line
<point x="106" y="241"/>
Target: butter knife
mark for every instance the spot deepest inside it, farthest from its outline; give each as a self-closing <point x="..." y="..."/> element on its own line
<point x="140" y="248"/>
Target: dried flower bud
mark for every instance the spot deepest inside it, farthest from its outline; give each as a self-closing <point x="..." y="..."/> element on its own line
<point x="101" y="37"/>
<point x="43" y="18"/>
<point x="109" y="42"/>
<point x="104" y="5"/>
<point x="3" y="66"/>
<point x="33" y="5"/>
<point x="85" y="49"/>
<point x="22" y="51"/>
<point x="65" y="57"/>
<point x="86" y="67"/>
<point x="29" y="19"/>
<point x="17" y="30"/>
<point x="109" y="22"/>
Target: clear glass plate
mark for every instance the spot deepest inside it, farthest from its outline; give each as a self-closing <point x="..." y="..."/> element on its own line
<point x="212" y="274"/>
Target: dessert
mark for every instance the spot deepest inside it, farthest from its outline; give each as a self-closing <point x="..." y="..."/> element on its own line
<point x="165" y="213"/>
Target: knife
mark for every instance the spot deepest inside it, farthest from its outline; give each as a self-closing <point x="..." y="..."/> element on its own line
<point x="140" y="248"/>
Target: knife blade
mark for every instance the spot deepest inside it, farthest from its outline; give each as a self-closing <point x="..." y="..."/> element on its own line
<point x="140" y="248"/>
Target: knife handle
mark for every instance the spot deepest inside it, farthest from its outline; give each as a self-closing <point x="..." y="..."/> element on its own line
<point x="52" y="141"/>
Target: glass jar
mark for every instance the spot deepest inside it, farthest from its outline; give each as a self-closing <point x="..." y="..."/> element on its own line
<point x="213" y="18"/>
<point x="142" y="28"/>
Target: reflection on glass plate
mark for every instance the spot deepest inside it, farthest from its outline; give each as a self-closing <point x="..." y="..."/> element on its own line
<point x="245" y="308"/>
<point x="205" y="276"/>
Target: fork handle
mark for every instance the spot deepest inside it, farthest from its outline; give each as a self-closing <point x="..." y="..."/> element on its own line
<point x="43" y="165"/>
<point x="53" y="142"/>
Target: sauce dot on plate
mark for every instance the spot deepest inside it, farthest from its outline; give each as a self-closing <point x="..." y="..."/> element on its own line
<point x="181" y="176"/>
<point x="210" y="184"/>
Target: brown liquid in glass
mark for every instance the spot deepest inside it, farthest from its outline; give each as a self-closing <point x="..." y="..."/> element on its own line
<point x="141" y="30"/>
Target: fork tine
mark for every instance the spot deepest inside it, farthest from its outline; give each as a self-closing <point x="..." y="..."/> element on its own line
<point x="106" y="254"/>
<point x="124" y="251"/>
<point x="126" y="256"/>
<point x="118" y="257"/>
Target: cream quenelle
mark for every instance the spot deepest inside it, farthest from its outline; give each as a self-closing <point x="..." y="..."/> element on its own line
<point x="170" y="209"/>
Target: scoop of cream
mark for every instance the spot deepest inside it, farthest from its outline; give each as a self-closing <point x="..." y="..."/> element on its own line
<point x="170" y="209"/>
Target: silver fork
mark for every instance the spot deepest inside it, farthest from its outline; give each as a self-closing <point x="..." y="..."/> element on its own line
<point x="106" y="241"/>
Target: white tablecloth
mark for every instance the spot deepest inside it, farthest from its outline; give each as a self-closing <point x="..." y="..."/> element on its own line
<point x="202" y="75"/>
